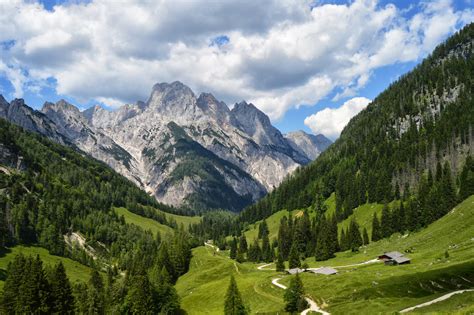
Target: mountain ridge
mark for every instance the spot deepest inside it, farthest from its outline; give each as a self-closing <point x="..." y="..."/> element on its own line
<point x="238" y="154"/>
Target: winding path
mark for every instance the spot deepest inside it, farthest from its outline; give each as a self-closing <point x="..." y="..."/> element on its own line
<point x="441" y="298"/>
<point x="313" y="307"/>
<point x="212" y="246"/>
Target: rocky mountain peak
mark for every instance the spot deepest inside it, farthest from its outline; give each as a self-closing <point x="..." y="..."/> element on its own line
<point x="255" y="123"/>
<point x="3" y="106"/>
<point x="213" y="108"/>
<point x="3" y="101"/>
<point x="308" y="144"/>
<point x="174" y="101"/>
<point x="61" y="106"/>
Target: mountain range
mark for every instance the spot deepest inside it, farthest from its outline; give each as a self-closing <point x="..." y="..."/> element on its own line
<point x="186" y="150"/>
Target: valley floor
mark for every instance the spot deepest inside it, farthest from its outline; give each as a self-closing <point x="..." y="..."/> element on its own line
<point x="358" y="287"/>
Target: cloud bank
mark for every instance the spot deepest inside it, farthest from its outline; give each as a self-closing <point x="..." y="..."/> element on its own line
<point x="277" y="54"/>
<point x="331" y="121"/>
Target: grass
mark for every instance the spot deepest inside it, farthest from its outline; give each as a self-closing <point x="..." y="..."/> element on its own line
<point x="203" y="288"/>
<point x="457" y="304"/>
<point x="366" y="289"/>
<point x="384" y="289"/>
<point x="144" y="223"/>
<point x="75" y="271"/>
<point x="364" y="215"/>
<point x="181" y="219"/>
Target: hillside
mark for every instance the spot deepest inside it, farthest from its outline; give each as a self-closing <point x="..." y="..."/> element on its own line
<point x="371" y="288"/>
<point x="75" y="271"/>
<point x="62" y="200"/>
<point x="419" y="122"/>
<point x="393" y="288"/>
<point x="145" y="223"/>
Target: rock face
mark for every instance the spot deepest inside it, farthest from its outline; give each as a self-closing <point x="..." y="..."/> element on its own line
<point x="309" y="145"/>
<point x="184" y="149"/>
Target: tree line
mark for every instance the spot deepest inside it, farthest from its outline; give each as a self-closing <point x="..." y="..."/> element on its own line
<point x="32" y="288"/>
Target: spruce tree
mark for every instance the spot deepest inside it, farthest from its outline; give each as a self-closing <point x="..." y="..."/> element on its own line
<point x="280" y="263"/>
<point x="140" y="296"/>
<point x="343" y="241"/>
<point x="376" y="230"/>
<point x="322" y="250"/>
<point x="294" y="257"/>
<point x="466" y="179"/>
<point x="402" y="215"/>
<point x="63" y="300"/>
<point x="448" y="189"/>
<point x="16" y="271"/>
<point x="284" y="238"/>
<point x="234" y="304"/>
<point x="96" y="294"/>
<point x="386" y="222"/>
<point x="267" y="255"/>
<point x="294" y="296"/>
<point x="233" y="248"/>
<point x="262" y="229"/>
<point x="365" y="237"/>
<point x="254" y="253"/>
<point x="243" y="247"/>
<point x="354" y="235"/>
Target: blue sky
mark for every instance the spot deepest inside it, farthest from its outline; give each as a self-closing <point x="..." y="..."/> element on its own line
<point x="308" y="65"/>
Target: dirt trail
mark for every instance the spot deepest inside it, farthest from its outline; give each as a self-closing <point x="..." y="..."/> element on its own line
<point x="441" y="298"/>
<point x="313" y="307"/>
<point x="210" y="245"/>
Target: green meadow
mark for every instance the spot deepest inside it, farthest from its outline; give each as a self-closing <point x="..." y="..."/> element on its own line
<point x="364" y="289"/>
<point x="145" y="223"/>
<point x="75" y="271"/>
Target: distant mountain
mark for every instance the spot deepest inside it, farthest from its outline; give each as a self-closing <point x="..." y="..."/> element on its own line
<point x="186" y="150"/>
<point x="307" y="144"/>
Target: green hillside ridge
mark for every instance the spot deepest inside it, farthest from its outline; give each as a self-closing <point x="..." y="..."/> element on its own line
<point x="181" y="219"/>
<point x="75" y="271"/>
<point x="362" y="214"/>
<point x="373" y="288"/>
<point x="203" y="288"/>
<point x="459" y="304"/>
<point x="145" y="223"/>
<point x="380" y="288"/>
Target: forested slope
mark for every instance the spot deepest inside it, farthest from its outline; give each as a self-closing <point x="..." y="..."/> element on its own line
<point x="421" y="121"/>
<point x="50" y="193"/>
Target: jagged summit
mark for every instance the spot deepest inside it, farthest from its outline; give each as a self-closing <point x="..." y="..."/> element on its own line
<point x="308" y="144"/>
<point x="184" y="149"/>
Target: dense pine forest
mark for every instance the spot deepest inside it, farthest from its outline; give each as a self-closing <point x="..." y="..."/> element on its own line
<point x="422" y="120"/>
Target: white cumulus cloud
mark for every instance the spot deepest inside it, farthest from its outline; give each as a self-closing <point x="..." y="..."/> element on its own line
<point x="331" y="121"/>
<point x="281" y="54"/>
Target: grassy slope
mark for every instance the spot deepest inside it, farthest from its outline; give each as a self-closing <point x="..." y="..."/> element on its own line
<point x="369" y="289"/>
<point x="364" y="215"/>
<point x="181" y="219"/>
<point x="75" y="270"/>
<point x="458" y="304"/>
<point x="203" y="288"/>
<point x="379" y="288"/>
<point x="144" y="223"/>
